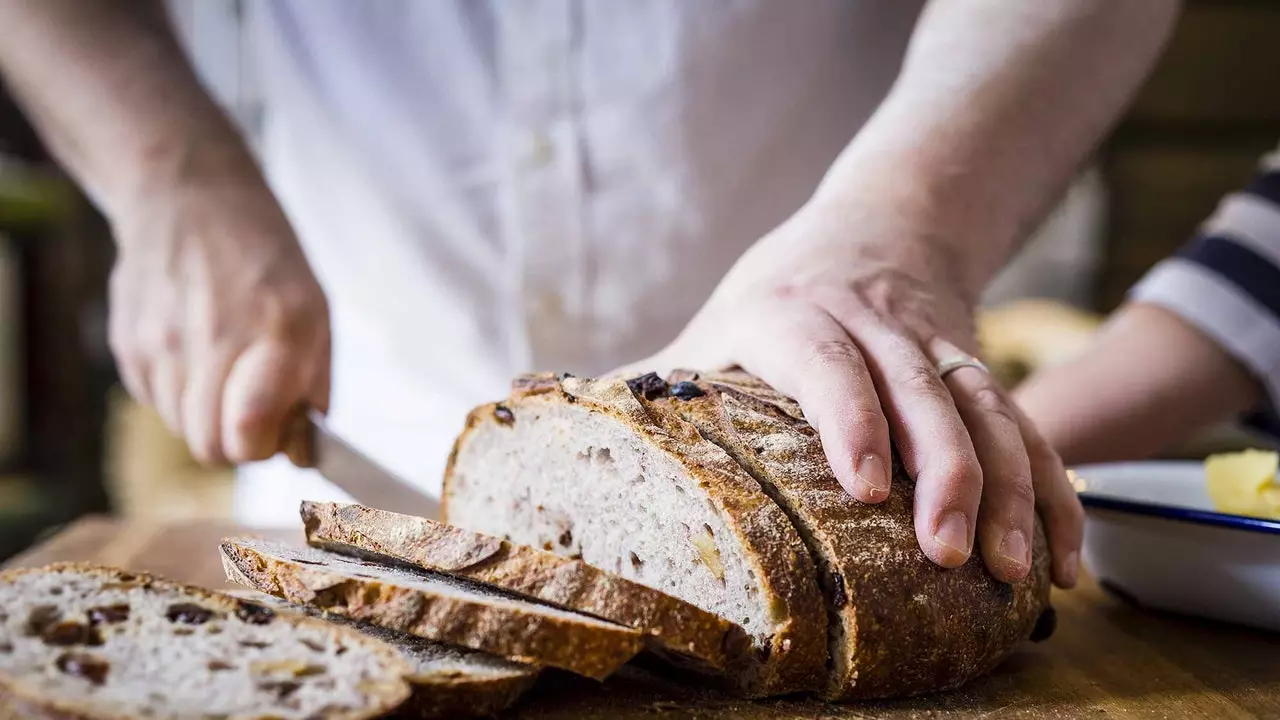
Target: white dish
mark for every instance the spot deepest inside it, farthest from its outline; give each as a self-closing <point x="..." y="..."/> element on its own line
<point x="1151" y="534"/>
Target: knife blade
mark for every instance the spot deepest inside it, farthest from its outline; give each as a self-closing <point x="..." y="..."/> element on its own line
<point x="310" y="444"/>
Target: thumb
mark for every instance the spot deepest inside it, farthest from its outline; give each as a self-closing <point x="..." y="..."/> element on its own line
<point x="262" y="387"/>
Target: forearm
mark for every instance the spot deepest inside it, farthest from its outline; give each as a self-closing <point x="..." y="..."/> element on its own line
<point x="996" y="107"/>
<point x="110" y="91"/>
<point x="1148" y="382"/>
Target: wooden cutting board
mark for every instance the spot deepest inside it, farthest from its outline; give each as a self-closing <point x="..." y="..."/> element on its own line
<point x="1106" y="662"/>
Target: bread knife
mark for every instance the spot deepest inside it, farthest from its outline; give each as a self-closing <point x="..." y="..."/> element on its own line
<point x="310" y="444"/>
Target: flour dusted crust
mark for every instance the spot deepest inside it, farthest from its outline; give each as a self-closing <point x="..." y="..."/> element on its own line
<point x="901" y="625"/>
<point x="466" y="684"/>
<point x="794" y="658"/>
<point x="20" y="694"/>
<point x="678" y="626"/>
<point x="432" y="606"/>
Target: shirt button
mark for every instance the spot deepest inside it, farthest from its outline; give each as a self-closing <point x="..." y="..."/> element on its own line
<point x="539" y="149"/>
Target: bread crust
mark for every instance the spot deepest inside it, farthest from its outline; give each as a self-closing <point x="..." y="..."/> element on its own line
<point x="795" y="657"/>
<point x="386" y="697"/>
<point x="565" y="582"/>
<point x="595" y="649"/>
<point x="910" y="627"/>
<point x="464" y="699"/>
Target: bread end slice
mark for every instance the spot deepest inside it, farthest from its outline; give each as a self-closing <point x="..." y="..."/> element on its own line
<point x="433" y="606"/>
<point x="698" y="639"/>
<point x="82" y="641"/>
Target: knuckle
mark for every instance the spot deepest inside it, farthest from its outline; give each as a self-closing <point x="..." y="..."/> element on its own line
<point x="920" y="380"/>
<point x="829" y="353"/>
<point x="171" y="340"/>
<point x="1062" y="508"/>
<point x="1019" y="491"/>
<point x="158" y="340"/>
<point x="961" y="468"/>
<point x="249" y="426"/>
<point x="869" y="423"/>
<point x="989" y="400"/>
<point x="1073" y="512"/>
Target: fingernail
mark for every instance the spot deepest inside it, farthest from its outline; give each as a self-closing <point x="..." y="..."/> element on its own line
<point x="1072" y="570"/>
<point x="872" y="474"/>
<point x="1015" y="549"/>
<point x="953" y="533"/>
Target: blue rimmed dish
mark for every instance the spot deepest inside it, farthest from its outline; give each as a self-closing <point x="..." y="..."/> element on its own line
<point x="1152" y="534"/>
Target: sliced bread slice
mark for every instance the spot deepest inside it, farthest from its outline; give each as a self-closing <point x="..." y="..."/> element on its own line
<point x="679" y="627"/>
<point x="447" y="681"/>
<point x="79" y="641"/>
<point x="589" y="469"/>
<point x="433" y="606"/>
<point x="900" y="624"/>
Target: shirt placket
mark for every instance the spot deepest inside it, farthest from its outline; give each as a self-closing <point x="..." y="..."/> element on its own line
<point x="542" y="194"/>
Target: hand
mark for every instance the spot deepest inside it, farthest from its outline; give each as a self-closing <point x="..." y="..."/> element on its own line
<point x="216" y="318"/>
<point x="853" y="329"/>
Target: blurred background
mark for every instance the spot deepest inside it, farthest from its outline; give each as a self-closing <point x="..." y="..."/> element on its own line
<point x="71" y="442"/>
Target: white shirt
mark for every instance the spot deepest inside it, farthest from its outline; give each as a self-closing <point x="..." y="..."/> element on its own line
<point x="486" y="188"/>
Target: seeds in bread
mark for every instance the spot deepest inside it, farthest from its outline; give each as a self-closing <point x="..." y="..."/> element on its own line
<point x="900" y="624"/>
<point x="433" y="606"/>
<point x="80" y="641"/>
<point x="585" y="469"/>
<point x="698" y="636"/>
<point x="447" y="681"/>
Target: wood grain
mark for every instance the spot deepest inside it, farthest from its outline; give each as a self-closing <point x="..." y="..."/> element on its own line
<point x="1107" y="661"/>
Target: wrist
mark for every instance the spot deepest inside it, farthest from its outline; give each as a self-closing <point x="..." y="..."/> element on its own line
<point x="174" y="165"/>
<point x="943" y="184"/>
<point x="879" y="229"/>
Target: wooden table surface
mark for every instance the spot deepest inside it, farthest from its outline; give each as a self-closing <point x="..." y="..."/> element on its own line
<point x="1107" y="660"/>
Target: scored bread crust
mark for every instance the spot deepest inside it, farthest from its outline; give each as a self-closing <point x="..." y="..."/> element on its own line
<point x="909" y="626"/>
<point x="594" y="649"/>
<point x="15" y="695"/>
<point x="795" y="656"/>
<point x="436" y="694"/>
<point x="562" y="581"/>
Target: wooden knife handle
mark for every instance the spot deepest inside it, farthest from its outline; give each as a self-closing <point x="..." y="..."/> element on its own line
<point x="296" y="437"/>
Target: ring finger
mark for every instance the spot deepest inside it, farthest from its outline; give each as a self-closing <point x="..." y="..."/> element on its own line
<point x="1006" y="516"/>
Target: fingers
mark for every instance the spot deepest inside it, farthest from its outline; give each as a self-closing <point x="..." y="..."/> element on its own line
<point x="263" y="386"/>
<point x="131" y="364"/>
<point x="1057" y="503"/>
<point x="202" y="408"/>
<point x="1006" y="517"/>
<point x="929" y="431"/>
<point x="168" y="379"/>
<point x="808" y="356"/>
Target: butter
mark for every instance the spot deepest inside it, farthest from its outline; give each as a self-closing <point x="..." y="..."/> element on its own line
<point x="1244" y="483"/>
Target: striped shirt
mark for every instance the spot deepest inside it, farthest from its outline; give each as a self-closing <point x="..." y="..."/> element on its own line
<point x="1226" y="282"/>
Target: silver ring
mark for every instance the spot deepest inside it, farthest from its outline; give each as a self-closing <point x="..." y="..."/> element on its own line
<point x="946" y="367"/>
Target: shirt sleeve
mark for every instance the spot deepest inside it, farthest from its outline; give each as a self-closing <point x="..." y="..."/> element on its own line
<point x="1226" y="282"/>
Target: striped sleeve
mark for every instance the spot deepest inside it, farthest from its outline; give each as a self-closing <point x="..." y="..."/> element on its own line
<point x="1226" y="282"/>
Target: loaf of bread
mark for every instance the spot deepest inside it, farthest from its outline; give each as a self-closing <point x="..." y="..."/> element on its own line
<point x="433" y="606"/>
<point x="592" y="469"/>
<point x="104" y="644"/>
<point x="447" y="681"/>
<point x="717" y="491"/>
<point x="900" y="624"/>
